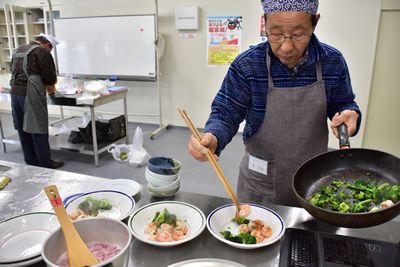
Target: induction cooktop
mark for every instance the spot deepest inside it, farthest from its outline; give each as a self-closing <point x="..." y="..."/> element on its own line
<point x="303" y="248"/>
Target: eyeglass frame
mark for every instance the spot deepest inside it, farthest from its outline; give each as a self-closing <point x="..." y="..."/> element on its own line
<point x="288" y="37"/>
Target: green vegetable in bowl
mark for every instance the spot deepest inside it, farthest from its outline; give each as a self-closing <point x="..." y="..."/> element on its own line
<point x="243" y="238"/>
<point x="91" y="206"/>
<point x="240" y="220"/>
<point x="165" y="217"/>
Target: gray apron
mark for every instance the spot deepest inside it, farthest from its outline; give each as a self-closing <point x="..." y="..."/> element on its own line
<point x="35" y="108"/>
<point x="294" y="130"/>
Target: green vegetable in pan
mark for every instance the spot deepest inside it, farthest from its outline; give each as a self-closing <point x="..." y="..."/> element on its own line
<point x="354" y="197"/>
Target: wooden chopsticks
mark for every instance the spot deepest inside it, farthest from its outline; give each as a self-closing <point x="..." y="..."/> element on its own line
<point x="211" y="159"/>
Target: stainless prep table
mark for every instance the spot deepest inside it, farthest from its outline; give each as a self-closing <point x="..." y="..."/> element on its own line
<point x="15" y="199"/>
<point x="61" y="141"/>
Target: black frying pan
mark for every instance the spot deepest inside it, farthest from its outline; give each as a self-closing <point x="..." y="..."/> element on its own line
<point x="347" y="164"/>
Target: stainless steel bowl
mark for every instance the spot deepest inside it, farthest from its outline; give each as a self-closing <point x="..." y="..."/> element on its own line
<point x="92" y="230"/>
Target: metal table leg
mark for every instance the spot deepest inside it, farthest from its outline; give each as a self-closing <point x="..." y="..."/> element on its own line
<point x="2" y="137"/>
<point x="62" y="112"/>
<point x="94" y="137"/>
<point x="127" y="139"/>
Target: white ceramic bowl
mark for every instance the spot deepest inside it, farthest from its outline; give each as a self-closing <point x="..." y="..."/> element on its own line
<point x="92" y="230"/>
<point x="220" y="219"/>
<point x="162" y="193"/>
<point x="170" y="178"/>
<point x="168" y="187"/>
<point x="22" y="236"/>
<point x="122" y="204"/>
<point x="156" y="181"/>
<point x="194" y="218"/>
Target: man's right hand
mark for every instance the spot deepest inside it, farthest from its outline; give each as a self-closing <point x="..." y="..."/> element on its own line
<point x="199" y="149"/>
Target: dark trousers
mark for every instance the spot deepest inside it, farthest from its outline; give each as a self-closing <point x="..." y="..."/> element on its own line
<point x="35" y="147"/>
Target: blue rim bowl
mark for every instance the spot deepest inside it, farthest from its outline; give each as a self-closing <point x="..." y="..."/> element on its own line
<point x="164" y="165"/>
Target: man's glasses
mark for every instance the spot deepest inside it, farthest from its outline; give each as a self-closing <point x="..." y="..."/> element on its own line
<point x="280" y="38"/>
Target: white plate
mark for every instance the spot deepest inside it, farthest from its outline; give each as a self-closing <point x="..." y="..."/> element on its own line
<point x="22" y="237"/>
<point x="122" y="204"/>
<point x="206" y="263"/>
<point x="22" y="263"/>
<point x="129" y="187"/>
<point x="220" y="219"/>
<point x="193" y="216"/>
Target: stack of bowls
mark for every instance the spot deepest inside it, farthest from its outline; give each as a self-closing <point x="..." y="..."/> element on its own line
<point x="162" y="175"/>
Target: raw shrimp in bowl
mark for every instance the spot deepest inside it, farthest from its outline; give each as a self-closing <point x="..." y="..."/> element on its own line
<point x="165" y="227"/>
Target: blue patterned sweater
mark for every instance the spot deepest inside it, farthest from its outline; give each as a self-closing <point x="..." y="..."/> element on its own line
<point x="243" y="93"/>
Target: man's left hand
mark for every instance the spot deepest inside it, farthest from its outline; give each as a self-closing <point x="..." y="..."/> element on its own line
<point x="349" y="117"/>
<point x="51" y="89"/>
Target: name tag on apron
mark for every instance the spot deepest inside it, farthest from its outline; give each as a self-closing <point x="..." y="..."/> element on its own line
<point x="258" y="165"/>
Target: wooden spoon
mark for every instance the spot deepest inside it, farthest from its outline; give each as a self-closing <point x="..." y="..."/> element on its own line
<point x="78" y="253"/>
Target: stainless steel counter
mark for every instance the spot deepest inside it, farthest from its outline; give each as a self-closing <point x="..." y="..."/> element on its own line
<point x="25" y="194"/>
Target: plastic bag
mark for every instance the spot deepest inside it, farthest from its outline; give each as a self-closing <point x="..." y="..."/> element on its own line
<point x="68" y="85"/>
<point x="85" y="119"/>
<point x="95" y="87"/>
<point x="121" y="153"/>
<point x="139" y="155"/>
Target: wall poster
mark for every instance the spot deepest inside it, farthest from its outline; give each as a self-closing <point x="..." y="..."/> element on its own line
<point x="224" y="37"/>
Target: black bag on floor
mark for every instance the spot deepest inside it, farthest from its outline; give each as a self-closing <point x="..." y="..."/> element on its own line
<point x="75" y="137"/>
<point x="116" y="128"/>
<point x="110" y="131"/>
<point x="101" y="132"/>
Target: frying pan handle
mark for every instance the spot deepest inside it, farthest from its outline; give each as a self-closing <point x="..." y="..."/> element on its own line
<point x="344" y="142"/>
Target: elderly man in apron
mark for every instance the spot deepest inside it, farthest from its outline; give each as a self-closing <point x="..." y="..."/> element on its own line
<point x="284" y="89"/>
<point x="32" y="70"/>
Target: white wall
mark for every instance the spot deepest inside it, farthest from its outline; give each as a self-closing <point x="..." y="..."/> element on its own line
<point x="383" y="122"/>
<point x="352" y="27"/>
<point x="349" y="25"/>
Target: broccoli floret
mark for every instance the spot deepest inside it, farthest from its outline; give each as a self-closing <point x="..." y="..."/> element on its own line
<point x="335" y="205"/>
<point x="314" y="200"/>
<point x="241" y="220"/>
<point x="327" y="190"/>
<point x="171" y="220"/>
<point x="247" y="238"/>
<point x="344" y="196"/>
<point x="155" y="216"/>
<point x="394" y="193"/>
<point x="337" y="183"/>
<point x="343" y="207"/>
<point x="160" y="218"/>
<point x="229" y="236"/>
<point x="359" y="195"/>
<point x="91" y="206"/>
<point x="104" y="204"/>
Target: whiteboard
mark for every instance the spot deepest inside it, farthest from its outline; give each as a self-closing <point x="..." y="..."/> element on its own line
<point x="106" y="47"/>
